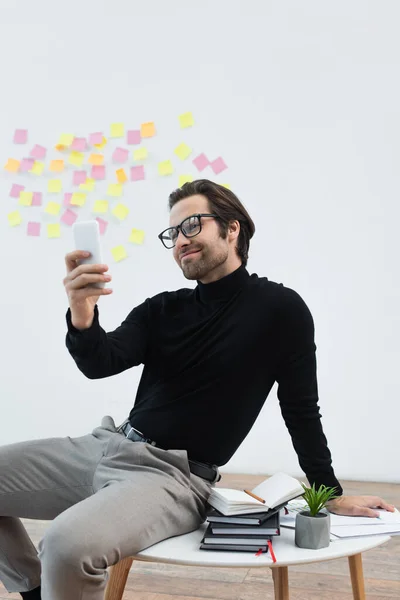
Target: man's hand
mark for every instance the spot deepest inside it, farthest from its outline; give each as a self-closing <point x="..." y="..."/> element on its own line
<point x="358" y="506"/>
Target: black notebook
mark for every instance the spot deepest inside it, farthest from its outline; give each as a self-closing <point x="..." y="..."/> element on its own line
<point x="269" y="527"/>
<point x="230" y="548"/>
<point x="214" y="516"/>
<point x="212" y="539"/>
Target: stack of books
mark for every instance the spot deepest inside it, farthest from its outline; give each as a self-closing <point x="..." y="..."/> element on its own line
<point x="245" y="521"/>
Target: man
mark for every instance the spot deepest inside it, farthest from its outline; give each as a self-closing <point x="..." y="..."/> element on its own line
<point x="211" y="356"/>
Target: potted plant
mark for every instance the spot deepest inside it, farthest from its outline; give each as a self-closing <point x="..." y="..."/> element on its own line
<point x="312" y="529"/>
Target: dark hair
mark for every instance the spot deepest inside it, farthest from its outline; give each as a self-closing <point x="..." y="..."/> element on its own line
<point x="226" y="205"/>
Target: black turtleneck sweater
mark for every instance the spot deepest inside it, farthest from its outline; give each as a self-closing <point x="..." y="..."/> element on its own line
<point x="211" y="356"/>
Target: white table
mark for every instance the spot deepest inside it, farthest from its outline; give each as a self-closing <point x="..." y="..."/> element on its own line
<point x="184" y="550"/>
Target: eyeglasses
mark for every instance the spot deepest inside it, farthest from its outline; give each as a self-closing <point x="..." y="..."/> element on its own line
<point x="190" y="227"/>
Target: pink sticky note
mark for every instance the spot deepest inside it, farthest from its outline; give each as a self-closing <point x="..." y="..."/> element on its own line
<point x="79" y="177"/>
<point x="33" y="228"/>
<point x="16" y="189"/>
<point x="95" y="138"/>
<point x="133" y="136"/>
<point x="137" y="173"/>
<point x="26" y="164"/>
<point x="201" y="162"/>
<point x="20" y="136"/>
<point x="78" y="144"/>
<point x="218" y="165"/>
<point x="102" y="225"/>
<point x="38" y="152"/>
<point x="98" y="172"/>
<point x="69" y="217"/>
<point x="67" y="199"/>
<point x="120" y="155"/>
<point x="37" y="199"/>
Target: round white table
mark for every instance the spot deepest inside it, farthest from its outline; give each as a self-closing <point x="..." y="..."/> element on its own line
<point x="184" y="550"/>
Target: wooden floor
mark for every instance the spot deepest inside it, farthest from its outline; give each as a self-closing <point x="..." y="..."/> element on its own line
<point x="320" y="581"/>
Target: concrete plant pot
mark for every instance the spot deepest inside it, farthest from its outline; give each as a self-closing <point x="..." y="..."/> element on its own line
<point x="312" y="532"/>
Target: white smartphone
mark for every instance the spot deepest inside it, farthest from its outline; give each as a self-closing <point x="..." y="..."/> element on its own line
<point x="87" y="237"/>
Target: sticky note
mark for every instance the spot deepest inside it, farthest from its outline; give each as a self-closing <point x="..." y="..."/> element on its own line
<point x="14" y="218"/>
<point x="57" y="166"/>
<point x="98" y="172"/>
<point x="96" y="159"/>
<point x="120" y="211"/>
<point x="33" y="228"/>
<point x="65" y="139"/>
<point x="147" y="130"/>
<point x="54" y="186"/>
<point x="117" y="130"/>
<point x="140" y="154"/>
<point x="53" y="208"/>
<point x="184" y="179"/>
<point x="79" y="177"/>
<point x="69" y="217"/>
<point x="102" y="225"/>
<point x="183" y="151"/>
<point x="101" y="144"/>
<point x="60" y="147"/>
<point x="218" y="165"/>
<point x="76" y="158"/>
<point x="121" y="176"/>
<point x="25" y="198"/>
<point x="95" y="138"/>
<point x="26" y="164"/>
<point x="16" y="189"/>
<point x="20" y="136"/>
<point x="120" y="155"/>
<point x="133" y="136"/>
<point x="186" y="120"/>
<point x="137" y="173"/>
<point x="114" y="189"/>
<point x="226" y="185"/>
<point x="88" y="186"/>
<point x="37" y="168"/>
<point x="165" y="167"/>
<point x="37" y="199"/>
<point x="67" y="199"/>
<point x="137" y="236"/>
<point x="38" y="152"/>
<point x="12" y="165"/>
<point x="100" y="206"/>
<point x="201" y="162"/>
<point x="53" y="230"/>
<point x="78" y="199"/>
<point x="118" y="253"/>
<point x="78" y="144"/>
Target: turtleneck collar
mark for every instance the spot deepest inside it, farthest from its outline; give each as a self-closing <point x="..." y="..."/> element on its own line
<point x="223" y="288"/>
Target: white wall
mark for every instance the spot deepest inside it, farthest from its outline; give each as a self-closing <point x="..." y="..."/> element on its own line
<point x="302" y="101"/>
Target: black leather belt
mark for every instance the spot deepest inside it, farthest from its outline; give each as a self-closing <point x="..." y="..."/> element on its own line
<point x="204" y="470"/>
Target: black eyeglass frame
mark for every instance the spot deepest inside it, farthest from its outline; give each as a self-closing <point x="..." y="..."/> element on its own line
<point x="179" y="228"/>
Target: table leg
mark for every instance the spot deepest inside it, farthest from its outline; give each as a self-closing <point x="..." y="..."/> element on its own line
<point x="117" y="580"/>
<point x="280" y="576"/>
<point x="357" y="576"/>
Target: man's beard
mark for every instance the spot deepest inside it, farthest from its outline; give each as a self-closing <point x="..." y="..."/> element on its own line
<point x="197" y="268"/>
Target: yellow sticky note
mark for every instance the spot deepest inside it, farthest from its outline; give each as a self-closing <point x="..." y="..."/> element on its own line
<point x="14" y="218"/>
<point x="60" y="147"/>
<point x="38" y="168"/>
<point x="25" y="198"/>
<point x="140" y="154"/>
<point x="120" y="211"/>
<point x="226" y="185"/>
<point x="119" y="253"/>
<point x="165" y="167"/>
<point x="121" y="176"/>
<point x="183" y="151"/>
<point x="137" y="236"/>
<point x="78" y="199"/>
<point x="186" y="120"/>
<point x="54" y="186"/>
<point x="76" y="158"/>
<point x="53" y="208"/>
<point x="147" y="130"/>
<point x="103" y="143"/>
<point x="184" y="179"/>
<point x="100" y="206"/>
<point x="57" y="166"/>
<point x="96" y="159"/>
<point x="12" y="165"/>
<point x="114" y="189"/>
<point x="65" y="139"/>
<point x="53" y="230"/>
<point x="117" y="130"/>
<point x="88" y="186"/>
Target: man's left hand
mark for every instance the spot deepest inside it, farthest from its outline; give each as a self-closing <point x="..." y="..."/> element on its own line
<point x="358" y="506"/>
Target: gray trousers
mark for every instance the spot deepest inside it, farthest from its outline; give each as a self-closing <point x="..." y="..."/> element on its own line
<point x="107" y="498"/>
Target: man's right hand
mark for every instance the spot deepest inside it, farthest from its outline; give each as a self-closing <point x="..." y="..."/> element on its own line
<point x="78" y="283"/>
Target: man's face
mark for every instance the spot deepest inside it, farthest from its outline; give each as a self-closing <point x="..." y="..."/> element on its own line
<point x="204" y="255"/>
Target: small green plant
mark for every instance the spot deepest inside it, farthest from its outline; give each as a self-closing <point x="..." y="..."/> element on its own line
<point x="317" y="499"/>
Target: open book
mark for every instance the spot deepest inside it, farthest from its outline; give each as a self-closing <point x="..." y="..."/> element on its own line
<point x="275" y="490"/>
